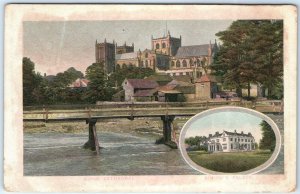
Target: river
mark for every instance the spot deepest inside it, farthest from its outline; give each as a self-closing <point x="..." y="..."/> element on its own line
<point x="61" y="154"/>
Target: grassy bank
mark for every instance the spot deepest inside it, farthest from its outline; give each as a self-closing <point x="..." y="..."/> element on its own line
<point x="143" y="127"/>
<point x="230" y="162"/>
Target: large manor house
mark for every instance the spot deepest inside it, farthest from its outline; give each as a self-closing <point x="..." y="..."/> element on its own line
<point x="229" y="142"/>
<point x="167" y="55"/>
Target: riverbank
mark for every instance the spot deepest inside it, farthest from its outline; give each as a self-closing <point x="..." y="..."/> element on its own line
<point x="230" y="162"/>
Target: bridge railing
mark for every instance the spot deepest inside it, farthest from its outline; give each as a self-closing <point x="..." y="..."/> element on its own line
<point x="134" y="109"/>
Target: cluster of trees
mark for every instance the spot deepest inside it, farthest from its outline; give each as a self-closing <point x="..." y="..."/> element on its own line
<point x="252" y="52"/>
<point x="38" y="89"/>
<point x="194" y="142"/>
<point x="268" y="141"/>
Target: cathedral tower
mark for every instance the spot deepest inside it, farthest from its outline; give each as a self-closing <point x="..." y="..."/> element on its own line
<point x="166" y="45"/>
<point x="105" y="52"/>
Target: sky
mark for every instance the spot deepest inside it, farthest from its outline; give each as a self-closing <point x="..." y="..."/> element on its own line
<point x="56" y="46"/>
<point x="228" y="121"/>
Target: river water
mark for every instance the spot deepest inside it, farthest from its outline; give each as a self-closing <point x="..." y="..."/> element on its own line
<point x="61" y="154"/>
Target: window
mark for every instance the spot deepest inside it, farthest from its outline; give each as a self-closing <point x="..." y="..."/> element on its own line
<point x="224" y="146"/>
<point x="157" y="46"/>
<point x="181" y="73"/>
<point x="231" y="139"/>
<point x="217" y="140"/>
<point x="146" y="55"/>
<point x="224" y="139"/>
<point x="238" y="139"/>
<point x="177" y="63"/>
<point x="198" y="63"/>
<point x="234" y="139"/>
<point x="242" y="140"/>
<point x="172" y="63"/>
<point x="146" y="63"/>
<point x="184" y="64"/>
<point x="164" y="45"/>
<point x="251" y="140"/>
<point x="231" y="146"/>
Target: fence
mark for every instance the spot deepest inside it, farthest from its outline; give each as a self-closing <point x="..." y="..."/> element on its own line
<point x="141" y="108"/>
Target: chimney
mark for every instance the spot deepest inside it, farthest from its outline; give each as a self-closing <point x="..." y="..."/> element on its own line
<point x="210" y="135"/>
<point x="234" y="131"/>
<point x="242" y="133"/>
<point x="217" y="133"/>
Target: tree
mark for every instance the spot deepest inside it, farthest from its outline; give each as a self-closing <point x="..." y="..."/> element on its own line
<point x="252" y="52"/>
<point x="268" y="140"/>
<point x="30" y="81"/>
<point x="99" y="88"/>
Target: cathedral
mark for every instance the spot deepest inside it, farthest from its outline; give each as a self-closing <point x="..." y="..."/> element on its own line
<point x="167" y="56"/>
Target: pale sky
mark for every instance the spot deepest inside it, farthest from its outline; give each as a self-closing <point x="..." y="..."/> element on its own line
<point x="228" y="121"/>
<point x="56" y="46"/>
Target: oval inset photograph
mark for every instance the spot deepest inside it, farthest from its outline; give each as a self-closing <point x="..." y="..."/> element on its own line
<point x="230" y="140"/>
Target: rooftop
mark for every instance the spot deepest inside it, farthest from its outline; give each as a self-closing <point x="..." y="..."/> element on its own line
<point x="192" y="51"/>
<point x="206" y="78"/>
<point x="79" y="83"/>
<point x="142" y="83"/>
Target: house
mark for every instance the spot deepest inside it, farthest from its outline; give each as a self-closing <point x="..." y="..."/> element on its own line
<point x="139" y="89"/>
<point x="176" y="91"/>
<point x="79" y="83"/>
<point x="230" y="142"/>
<point x="206" y="87"/>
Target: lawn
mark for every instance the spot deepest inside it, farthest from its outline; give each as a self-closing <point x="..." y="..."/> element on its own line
<point x="230" y="162"/>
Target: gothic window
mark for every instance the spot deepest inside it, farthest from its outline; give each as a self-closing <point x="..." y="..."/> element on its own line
<point x="198" y="63"/>
<point x="157" y="46"/>
<point x="191" y="63"/>
<point x="177" y="63"/>
<point x="184" y="64"/>
<point x="158" y="61"/>
<point x="172" y="63"/>
<point x="164" y="45"/>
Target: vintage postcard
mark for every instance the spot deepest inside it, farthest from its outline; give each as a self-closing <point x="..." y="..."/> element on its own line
<point x="150" y="98"/>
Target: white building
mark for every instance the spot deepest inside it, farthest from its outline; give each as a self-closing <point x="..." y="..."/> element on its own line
<point x="230" y="142"/>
